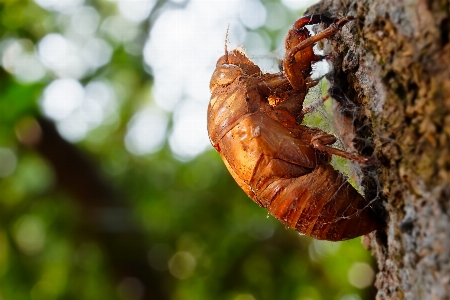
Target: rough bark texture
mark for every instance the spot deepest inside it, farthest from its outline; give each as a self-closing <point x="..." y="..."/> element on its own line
<point x="394" y="63"/>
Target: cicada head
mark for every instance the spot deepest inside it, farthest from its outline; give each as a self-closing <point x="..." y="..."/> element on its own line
<point x="223" y="75"/>
<point x="233" y="92"/>
<point x="230" y="66"/>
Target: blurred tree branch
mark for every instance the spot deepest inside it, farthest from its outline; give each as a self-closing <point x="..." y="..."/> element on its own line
<point x="104" y="213"/>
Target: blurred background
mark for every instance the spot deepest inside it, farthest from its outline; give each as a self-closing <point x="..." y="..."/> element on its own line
<point x="109" y="188"/>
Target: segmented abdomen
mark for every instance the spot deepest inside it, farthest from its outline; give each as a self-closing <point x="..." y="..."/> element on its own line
<point x="291" y="180"/>
<point x="320" y="204"/>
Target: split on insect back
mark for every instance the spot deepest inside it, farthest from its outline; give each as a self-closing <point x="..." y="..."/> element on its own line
<point x="255" y="123"/>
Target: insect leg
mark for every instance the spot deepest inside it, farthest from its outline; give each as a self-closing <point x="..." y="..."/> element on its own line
<point x="314" y="106"/>
<point x="332" y="29"/>
<point x="299" y="51"/>
<point x="321" y="142"/>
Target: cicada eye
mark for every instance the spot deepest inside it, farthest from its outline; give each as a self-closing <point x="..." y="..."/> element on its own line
<point x="224" y="75"/>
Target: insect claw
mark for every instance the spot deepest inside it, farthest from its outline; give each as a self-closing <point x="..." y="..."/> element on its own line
<point x="299" y="47"/>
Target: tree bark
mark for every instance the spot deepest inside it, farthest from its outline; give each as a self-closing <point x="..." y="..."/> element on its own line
<point x="393" y="62"/>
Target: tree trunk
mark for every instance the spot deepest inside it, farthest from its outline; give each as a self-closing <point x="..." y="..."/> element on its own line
<point x="393" y="62"/>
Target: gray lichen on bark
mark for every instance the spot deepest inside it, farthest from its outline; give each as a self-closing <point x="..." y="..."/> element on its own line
<point x="393" y="62"/>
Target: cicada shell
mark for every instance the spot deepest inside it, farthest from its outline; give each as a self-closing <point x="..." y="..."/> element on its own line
<point x="254" y="123"/>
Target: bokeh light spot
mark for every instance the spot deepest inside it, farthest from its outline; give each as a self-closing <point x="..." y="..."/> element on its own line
<point x="8" y="162"/>
<point x="60" y="55"/>
<point x="29" y="234"/>
<point x="189" y="136"/>
<point x="319" y="249"/>
<point x="20" y="59"/>
<point x="252" y="14"/>
<point x="276" y="16"/>
<point x="74" y="127"/>
<point x="119" y="29"/>
<point x="361" y="275"/>
<point x="62" y="6"/>
<point x="85" y="21"/>
<point x="146" y="131"/>
<point x="76" y="109"/>
<point x="182" y="265"/>
<point x="244" y="297"/>
<point x="96" y="53"/>
<point x="136" y="10"/>
<point x="61" y="98"/>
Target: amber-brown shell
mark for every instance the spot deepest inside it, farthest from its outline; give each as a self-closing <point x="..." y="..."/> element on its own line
<point x="271" y="157"/>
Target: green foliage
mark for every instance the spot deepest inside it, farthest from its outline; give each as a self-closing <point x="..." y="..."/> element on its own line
<point x="206" y="239"/>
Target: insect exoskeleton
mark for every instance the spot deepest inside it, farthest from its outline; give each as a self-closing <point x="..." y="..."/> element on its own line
<point x="254" y="123"/>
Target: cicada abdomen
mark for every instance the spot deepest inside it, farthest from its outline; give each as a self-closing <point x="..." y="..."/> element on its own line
<point x="323" y="205"/>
